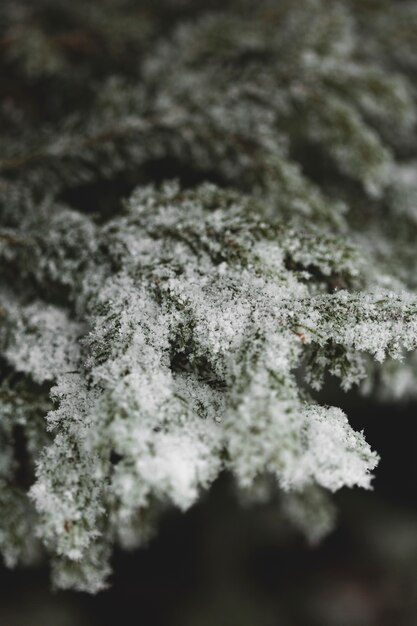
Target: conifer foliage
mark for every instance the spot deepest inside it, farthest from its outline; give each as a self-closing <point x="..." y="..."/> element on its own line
<point x="206" y="208"/>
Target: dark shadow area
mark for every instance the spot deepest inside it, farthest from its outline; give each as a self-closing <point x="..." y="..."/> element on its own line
<point x="103" y="198"/>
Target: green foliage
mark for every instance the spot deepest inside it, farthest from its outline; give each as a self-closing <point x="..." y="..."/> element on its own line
<point x="205" y="209"/>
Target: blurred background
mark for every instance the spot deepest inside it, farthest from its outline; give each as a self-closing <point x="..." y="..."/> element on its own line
<point x="226" y="564"/>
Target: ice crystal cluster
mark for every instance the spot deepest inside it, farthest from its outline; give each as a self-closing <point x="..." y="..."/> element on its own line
<point x="206" y="209"/>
